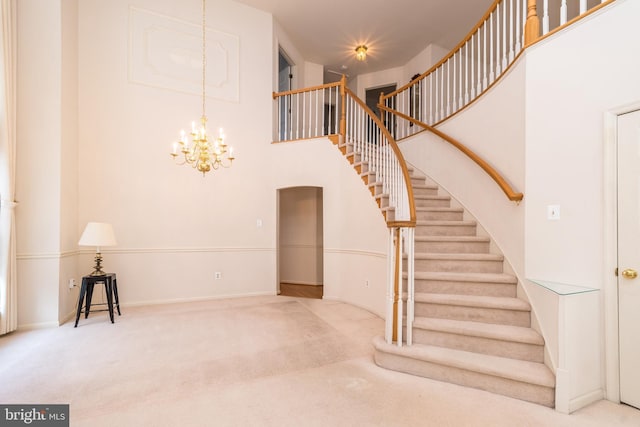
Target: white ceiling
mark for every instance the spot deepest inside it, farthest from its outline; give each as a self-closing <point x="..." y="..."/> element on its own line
<point x="327" y="31"/>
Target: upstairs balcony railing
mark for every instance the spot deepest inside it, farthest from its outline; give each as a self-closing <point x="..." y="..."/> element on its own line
<point x="480" y="59"/>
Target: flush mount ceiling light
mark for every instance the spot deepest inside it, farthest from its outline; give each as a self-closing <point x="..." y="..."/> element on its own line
<point x="361" y="52"/>
<point x="202" y="153"/>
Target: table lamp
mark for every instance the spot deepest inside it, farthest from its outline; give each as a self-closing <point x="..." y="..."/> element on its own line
<point x="98" y="234"/>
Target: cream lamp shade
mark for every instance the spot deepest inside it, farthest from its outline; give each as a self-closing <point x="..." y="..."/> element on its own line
<point x="98" y="234"/>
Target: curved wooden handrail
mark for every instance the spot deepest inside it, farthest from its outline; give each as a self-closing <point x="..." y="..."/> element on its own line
<point x="306" y="89"/>
<point x="499" y="179"/>
<point x="532" y="36"/>
<point x="399" y="156"/>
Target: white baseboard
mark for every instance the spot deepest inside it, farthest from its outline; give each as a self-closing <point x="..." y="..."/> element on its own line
<point x="196" y="299"/>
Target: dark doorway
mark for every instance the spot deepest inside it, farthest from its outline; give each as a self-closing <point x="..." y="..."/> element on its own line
<point x="372" y="96"/>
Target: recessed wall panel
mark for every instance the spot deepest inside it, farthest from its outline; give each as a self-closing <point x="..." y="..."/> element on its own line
<point x="165" y="52"/>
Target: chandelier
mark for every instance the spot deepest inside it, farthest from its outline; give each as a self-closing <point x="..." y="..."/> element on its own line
<point x="203" y="152"/>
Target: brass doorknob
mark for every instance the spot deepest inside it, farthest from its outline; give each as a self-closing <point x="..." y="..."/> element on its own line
<point x="630" y="273"/>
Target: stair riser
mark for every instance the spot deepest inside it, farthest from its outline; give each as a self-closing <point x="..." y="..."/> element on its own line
<point x="439" y="216"/>
<point x="432" y="203"/>
<point x="464" y="288"/>
<point x="516" y="389"/>
<point x="474" y="314"/>
<point x="417" y="180"/>
<point x="446" y="230"/>
<point x="452" y="247"/>
<point x="458" y="266"/>
<point x="511" y="349"/>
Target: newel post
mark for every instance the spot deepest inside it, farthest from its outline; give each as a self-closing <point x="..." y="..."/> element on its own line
<point x="532" y="25"/>
<point x="343" y="107"/>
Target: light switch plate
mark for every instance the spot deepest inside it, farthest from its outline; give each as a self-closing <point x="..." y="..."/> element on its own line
<point x="553" y="212"/>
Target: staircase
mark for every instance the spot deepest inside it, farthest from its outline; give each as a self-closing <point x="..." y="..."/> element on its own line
<point x="470" y="328"/>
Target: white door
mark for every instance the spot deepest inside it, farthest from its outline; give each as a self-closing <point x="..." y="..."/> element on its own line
<point x="629" y="256"/>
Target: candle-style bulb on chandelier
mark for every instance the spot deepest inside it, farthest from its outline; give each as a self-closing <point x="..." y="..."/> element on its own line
<point x="202" y="153"/>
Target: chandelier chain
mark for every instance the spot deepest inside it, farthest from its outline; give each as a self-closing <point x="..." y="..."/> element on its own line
<point x="204" y="56"/>
<point x="204" y="152"/>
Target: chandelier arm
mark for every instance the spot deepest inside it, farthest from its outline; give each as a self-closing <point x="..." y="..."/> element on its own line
<point x="204" y="56"/>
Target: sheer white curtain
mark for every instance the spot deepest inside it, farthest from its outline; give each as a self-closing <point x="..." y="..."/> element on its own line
<point x="8" y="280"/>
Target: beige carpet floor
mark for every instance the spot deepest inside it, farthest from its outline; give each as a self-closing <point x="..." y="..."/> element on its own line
<point x="263" y="361"/>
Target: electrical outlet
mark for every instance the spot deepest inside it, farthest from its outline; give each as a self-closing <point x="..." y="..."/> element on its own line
<point x="72" y="283"/>
<point x="366" y="283"/>
<point x="218" y="275"/>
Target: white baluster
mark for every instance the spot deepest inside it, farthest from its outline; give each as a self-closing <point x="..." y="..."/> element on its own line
<point x="491" y="44"/>
<point x="518" y="32"/>
<point x="410" y="242"/>
<point x="484" y="62"/>
<point x="563" y="12"/>
<point x="431" y="96"/>
<point x="479" y="56"/>
<point x="400" y="293"/>
<point x="282" y="121"/>
<point x="466" y="73"/>
<point x="455" y="85"/>
<point x="472" y="69"/>
<point x="298" y="110"/>
<point x="442" y="101"/>
<point x="460" y="55"/>
<point x="498" y="39"/>
<point x="545" y="17"/>
<point x="504" y="36"/>
<point x="511" y="28"/>
<point x="448" y="89"/>
<point x="391" y="266"/>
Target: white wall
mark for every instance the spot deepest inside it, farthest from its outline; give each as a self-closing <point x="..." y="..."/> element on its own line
<point x="354" y="231"/>
<point x="494" y="129"/>
<point x="69" y="161"/>
<point x="573" y="79"/>
<point x="423" y="61"/>
<point x="94" y="146"/>
<point x="39" y="150"/>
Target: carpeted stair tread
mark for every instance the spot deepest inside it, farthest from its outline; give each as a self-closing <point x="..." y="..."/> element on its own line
<point x="431" y="197"/>
<point x="513" y="369"/>
<point x="443" y="222"/>
<point x="503" y="303"/>
<point x="459" y="257"/>
<point x="466" y="277"/>
<point x="451" y="238"/>
<point x="437" y="209"/>
<point x="424" y="187"/>
<point x="480" y="329"/>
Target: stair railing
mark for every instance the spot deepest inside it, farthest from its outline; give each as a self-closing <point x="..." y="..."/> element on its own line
<point x="334" y="111"/>
<point x="479" y="60"/>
